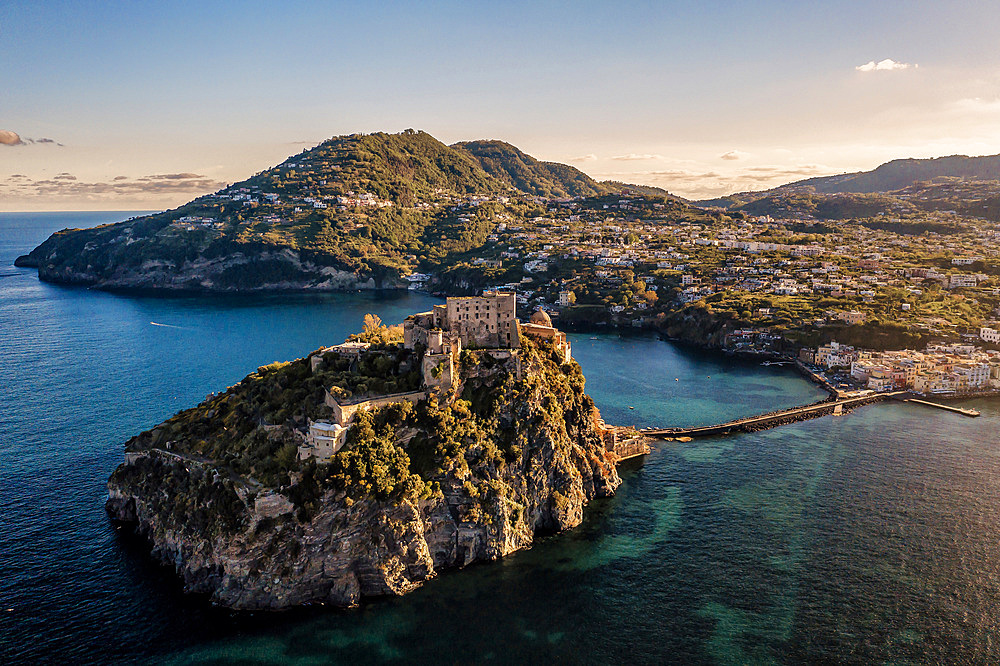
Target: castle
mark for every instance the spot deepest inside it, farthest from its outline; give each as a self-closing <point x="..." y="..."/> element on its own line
<point x="487" y="324"/>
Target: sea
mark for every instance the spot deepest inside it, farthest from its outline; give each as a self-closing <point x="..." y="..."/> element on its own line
<point x="872" y="537"/>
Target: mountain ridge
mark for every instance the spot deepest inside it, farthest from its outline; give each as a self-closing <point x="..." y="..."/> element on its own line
<point x="888" y="177"/>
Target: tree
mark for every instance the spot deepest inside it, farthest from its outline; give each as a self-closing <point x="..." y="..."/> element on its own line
<point x="372" y="324"/>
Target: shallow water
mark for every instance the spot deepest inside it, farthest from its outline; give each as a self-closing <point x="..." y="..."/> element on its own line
<point x="865" y="538"/>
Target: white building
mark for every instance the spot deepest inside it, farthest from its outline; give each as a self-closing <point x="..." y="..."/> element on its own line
<point x="324" y="439"/>
<point x="959" y="281"/>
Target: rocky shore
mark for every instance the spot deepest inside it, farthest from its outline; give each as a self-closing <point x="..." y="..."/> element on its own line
<point x="473" y="477"/>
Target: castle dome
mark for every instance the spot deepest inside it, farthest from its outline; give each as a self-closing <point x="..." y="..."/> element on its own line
<point x="541" y="318"/>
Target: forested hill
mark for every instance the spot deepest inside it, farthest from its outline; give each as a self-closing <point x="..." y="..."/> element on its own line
<point x="906" y="189"/>
<point x="357" y="211"/>
<point x="889" y="177"/>
<point x="403" y="168"/>
<point x="528" y="175"/>
<point x="898" y="174"/>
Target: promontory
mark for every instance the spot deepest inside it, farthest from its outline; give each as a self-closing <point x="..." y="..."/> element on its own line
<point x="367" y="467"/>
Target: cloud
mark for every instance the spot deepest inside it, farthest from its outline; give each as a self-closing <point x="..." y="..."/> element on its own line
<point x="976" y="105"/>
<point x="887" y="65"/>
<point x="589" y="157"/>
<point x="9" y="138"/>
<point x="172" y="176"/>
<point x="803" y="170"/>
<point x="733" y="155"/>
<point x="635" y="156"/>
<point x="120" y="187"/>
<point x="12" y="138"/>
<point x="694" y="183"/>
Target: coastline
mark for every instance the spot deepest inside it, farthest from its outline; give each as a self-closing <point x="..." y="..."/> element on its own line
<point x="620" y="328"/>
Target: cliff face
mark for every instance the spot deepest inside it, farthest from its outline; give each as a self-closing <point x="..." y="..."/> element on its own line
<point x="416" y="490"/>
<point x="234" y="270"/>
<point x="697" y="326"/>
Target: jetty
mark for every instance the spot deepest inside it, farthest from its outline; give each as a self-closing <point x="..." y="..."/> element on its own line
<point x="771" y="419"/>
<point x="948" y="408"/>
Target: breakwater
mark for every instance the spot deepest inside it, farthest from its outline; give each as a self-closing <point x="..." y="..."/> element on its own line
<point x="772" y="419"/>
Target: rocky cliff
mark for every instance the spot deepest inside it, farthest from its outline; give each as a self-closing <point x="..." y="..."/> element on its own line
<point x="514" y="450"/>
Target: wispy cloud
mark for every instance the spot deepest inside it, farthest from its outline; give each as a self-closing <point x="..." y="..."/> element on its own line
<point x="637" y="156"/>
<point x="589" y="157"/>
<point x="697" y="183"/>
<point x="172" y="176"/>
<point x="733" y="155"/>
<point x="977" y="105"/>
<point x="68" y="185"/>
<point x="887" y="65"/>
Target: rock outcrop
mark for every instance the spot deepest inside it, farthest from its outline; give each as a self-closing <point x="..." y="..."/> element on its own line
<point x="513" y="451"/>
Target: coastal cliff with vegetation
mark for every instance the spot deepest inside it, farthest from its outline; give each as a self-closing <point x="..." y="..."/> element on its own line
<point x="512" y="449"/>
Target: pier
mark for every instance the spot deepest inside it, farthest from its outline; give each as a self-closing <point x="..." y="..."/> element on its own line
<point x="948" y="408"/>
<point x="771" y="419"/>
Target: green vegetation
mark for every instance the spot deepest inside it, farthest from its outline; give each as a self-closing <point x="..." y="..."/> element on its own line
<point x="376" y="205"/>
<point x="247" y="427"/>
<point x="526" y="174"/>
<point x="397" y="451"/>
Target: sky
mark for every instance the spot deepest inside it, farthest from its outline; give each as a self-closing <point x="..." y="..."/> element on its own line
<point x="119" y="105"/>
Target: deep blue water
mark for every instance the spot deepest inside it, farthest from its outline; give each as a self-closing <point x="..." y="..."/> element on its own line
<point x="869" y="538"/>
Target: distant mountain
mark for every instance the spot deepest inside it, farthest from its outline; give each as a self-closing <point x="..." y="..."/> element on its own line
<point x="644" y="190"/>
<point x="909" y="188"/>
<point x="897" y="174"/>
<point x="887" y="178"/>
<point x="523" y="172"/>
<point x="924" y="206"/>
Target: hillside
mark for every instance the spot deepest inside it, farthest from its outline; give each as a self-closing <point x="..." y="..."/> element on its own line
<point x="969" y="186"/>
<point x="938" y="205"/>
<point x="526" y="174"/>
<point x="957" y="178"/>
<point x="355" y="212"/>
<point x="897" y="174"/>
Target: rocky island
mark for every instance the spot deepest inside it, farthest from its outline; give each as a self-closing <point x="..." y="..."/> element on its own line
<point x="367" y="467"/>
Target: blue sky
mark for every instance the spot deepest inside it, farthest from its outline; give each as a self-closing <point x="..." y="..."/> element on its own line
<point x="702" y="98"/>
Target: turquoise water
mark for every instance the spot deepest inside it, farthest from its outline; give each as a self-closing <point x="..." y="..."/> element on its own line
<point x="868" y="538"/>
